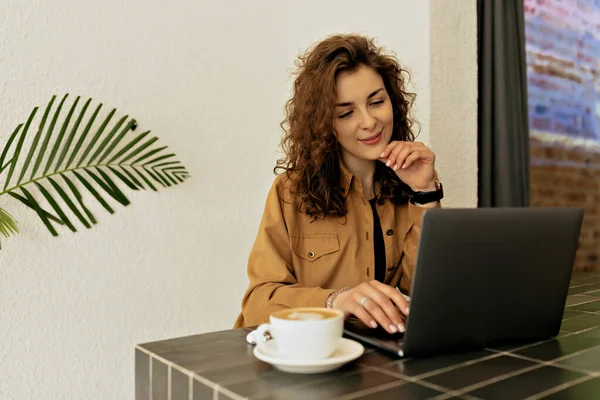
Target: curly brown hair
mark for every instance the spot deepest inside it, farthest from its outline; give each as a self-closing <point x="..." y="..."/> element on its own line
<point x="309" y="143"/>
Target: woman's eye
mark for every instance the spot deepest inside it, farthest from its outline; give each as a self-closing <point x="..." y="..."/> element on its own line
<point x="346" y="115"/>
<point x="377" y="103"/>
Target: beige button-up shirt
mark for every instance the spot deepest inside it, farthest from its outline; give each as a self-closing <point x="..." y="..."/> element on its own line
<point x="298" y="263"/>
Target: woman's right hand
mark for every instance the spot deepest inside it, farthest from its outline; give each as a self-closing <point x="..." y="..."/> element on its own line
<point x="375" y="303"/>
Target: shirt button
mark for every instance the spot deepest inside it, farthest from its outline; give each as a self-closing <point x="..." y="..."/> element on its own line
<point x="311" y="254"/>
<point x="389" y="232"/>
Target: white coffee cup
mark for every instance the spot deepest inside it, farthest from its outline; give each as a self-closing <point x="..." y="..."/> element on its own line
<point x="304" y="334"/>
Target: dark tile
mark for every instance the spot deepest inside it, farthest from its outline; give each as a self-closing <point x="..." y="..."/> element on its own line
<point x="591" y="333"/>
<point x="582" y="322"/>
<point x="186" y="342"/>
<point x="588" y="361"/>
<point x="207" y="352"/>
<point x="335" y="387"/>
<point x="592" y="306"/>
<point x="201" y="391"/>
<point x="560" y="347"/>
<point x="526" y="384"/>
<point x="583" y="280"/>
<point x="570" y="313"/>
<point x="585" y="390"/>
<point x="223" y="396"/>
<point x="142" y="375"/>
<point x="584" y="288"/>
<point x="589" y="287"/>
<point x="180" y="385"/>
<point x="517" y="346"/>
<point x="406" y="390"/>
<point x="237" y="354"/>
<point x="420" y="366"/>
<point x="577" y="299"/>
<point x="479" y="372"/>
<point x="278" y="380"/>
<point x="245" y="372"/>
<point x="160" y="380"/>
<point x="377" y="359"/>
<point x="595" y="293"/>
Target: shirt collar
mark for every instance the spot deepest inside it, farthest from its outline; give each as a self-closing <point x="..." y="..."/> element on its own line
<point x="345" y="178"/>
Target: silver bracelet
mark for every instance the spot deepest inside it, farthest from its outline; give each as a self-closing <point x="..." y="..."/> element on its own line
<point x="333" y="295"/>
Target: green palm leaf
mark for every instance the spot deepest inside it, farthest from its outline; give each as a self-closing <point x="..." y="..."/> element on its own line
<point x="110" y="161"/>
<point x="8" y="225"/>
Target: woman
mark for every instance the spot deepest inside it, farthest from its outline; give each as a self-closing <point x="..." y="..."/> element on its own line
<point x="341" y="224"/>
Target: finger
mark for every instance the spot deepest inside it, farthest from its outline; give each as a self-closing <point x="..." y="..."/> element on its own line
<point x="416" y="156"/>
<point x="387" y="307"/>
<point x="362" y="314"/>
<point x="385" y="154"/>
<point x="394" y="295"/>
<point x="394" y="154"/>
<point x="395" y="306"/>
<point x="375" y="310"/>
<point x="402" y="157"/>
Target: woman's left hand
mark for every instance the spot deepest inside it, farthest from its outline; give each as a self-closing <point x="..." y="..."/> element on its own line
<point x="413" y="162"/>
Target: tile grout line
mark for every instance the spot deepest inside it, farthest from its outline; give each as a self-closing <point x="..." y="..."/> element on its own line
<point x="499" y="378"/>
<point x="234" y="396"/>
<point x="555" y="360"/>
<point x="519" y="348"/>
<point x="580" y="311"/>
<point x="590" y="300"/>
<point x="538" y="364"/>
<point x="194" y="375"/>
<point x="150" y="383"/>
<point x="559" y="388"/>
<point x="190" y="388"/>
<point x="578" y="285"/>
<point x="372" y="390"/>
<point x="455" y="366"/>
<point x="464" y="395"/>
<point x="419" y="381"/>
<point x="168" y="382"/>
<point x="581" y="331"/>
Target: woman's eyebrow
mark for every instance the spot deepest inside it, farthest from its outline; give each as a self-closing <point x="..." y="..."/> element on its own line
<point x="349" y="103"/>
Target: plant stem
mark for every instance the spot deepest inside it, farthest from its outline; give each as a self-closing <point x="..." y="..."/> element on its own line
<point x="59" y="173"/>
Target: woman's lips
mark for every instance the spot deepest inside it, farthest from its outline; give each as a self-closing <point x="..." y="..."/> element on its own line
<point x="373" y="140"/>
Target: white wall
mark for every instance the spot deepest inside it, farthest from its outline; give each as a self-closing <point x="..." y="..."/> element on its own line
<point x="209" y="79"/>
<point x="453" y="94"/>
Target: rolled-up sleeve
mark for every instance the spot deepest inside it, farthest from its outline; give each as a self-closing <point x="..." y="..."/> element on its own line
<point x="273" y="285"/>
<point x="410" y="243"/>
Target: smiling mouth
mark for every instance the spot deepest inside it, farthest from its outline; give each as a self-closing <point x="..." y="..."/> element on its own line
<point x="372" y="139"/>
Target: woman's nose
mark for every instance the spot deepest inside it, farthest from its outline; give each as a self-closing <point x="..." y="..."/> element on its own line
<point x="368" y="121"/>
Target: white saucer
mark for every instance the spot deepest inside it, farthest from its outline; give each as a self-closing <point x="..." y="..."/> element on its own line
<point x="348" y="350"/>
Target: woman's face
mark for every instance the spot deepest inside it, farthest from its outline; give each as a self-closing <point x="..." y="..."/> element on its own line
<point x="363" y="115"/>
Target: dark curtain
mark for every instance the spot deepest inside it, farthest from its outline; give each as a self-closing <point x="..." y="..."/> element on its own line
<point x="503" y="131"/>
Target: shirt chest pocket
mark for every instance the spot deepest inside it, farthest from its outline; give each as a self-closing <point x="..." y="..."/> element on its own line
<point x="315" y="246"/>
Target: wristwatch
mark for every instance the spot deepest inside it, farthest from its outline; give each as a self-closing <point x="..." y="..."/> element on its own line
<point x="428" y="197"/>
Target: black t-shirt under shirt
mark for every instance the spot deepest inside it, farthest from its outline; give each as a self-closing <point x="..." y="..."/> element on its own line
<point x="378" y="244"/>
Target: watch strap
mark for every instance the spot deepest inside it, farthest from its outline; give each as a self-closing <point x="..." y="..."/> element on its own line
<point x="428" y="197"/>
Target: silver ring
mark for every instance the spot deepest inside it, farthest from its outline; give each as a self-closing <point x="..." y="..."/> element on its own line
<point x="362" y="302"/>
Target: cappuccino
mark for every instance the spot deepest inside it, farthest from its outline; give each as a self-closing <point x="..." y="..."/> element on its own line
<point x="305" y="314"/>
<point x="304" y="333"/>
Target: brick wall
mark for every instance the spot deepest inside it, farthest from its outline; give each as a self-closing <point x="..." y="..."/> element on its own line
<point x="568" y="175"/>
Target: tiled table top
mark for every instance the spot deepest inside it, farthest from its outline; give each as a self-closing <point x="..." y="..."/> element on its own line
<point x="221" y="365"/>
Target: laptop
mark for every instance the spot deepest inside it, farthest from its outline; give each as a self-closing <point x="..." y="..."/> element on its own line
<point x="484" y="277"/>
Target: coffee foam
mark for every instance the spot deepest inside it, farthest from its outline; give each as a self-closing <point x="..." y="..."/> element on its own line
<point x="305" y="316"/>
